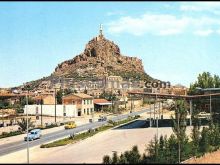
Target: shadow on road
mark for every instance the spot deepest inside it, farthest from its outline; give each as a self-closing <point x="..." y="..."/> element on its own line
<point x="137" y="124"/>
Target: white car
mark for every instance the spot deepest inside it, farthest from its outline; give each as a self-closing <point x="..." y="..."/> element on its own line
<point x="204" y="115"/>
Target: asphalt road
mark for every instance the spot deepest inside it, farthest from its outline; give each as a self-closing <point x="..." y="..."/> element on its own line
<point x="16" y="146"/>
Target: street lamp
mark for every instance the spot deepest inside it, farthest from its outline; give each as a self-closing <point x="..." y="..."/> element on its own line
<point x="27" y="127"/>
<point x="178" y="116"/>
<point x="41" y="101"/>
<point x="55" y="96"/>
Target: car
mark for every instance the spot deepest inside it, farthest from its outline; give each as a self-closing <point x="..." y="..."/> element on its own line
<point x="33" y="134"/>
<point x="102" y="118"/>
<point x="70" y="125"/>
<point x="204" y="115"/>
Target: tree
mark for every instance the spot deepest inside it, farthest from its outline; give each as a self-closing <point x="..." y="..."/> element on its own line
<point x="122" y="159"/>
<point x="135" y="156"/>
<point x="204" y="80"/>
<point x="204" y="145"/>
<point x="23" y="124"/>
<point x="107" y="160"/>
<point x="23" y="101"/>
<point x="195" y="135"/>
<point x="115" y="158"/>
<point x="152" y="149"/>
<point x="161" y="152"/>
<point x="172" y="149"/>
<point x="179" y="124"/>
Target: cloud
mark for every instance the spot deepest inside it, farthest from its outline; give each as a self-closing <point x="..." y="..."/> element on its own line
<point x="218" y="31"/>
<point x="213" y="7"/>
<point x="148" y="23"/>
<point x="162" y="25"/>
<point x="204" y="32"/>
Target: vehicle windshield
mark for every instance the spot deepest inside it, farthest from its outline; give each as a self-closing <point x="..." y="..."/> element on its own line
<point x="32" y="132"/>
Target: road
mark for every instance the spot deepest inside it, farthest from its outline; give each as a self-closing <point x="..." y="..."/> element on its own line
<point x="16" y="146"/>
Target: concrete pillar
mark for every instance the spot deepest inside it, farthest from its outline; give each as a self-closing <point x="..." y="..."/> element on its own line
<point x="191" y="109"/>
<point x="150" y="116"/>
<point x="154" y="111"/>
<point x="159" y="111"/>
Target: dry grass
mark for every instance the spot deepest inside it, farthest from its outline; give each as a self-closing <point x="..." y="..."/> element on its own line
<point x="213" y="157"/>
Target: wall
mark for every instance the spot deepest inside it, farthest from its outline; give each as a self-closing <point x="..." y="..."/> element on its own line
<point x="135" y="103"/>
<point x="49" y="100"/>
<point x="88" y="106"/>
<point x="49" y="110"/>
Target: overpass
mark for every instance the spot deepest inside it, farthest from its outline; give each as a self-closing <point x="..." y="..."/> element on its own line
<point x="173" y="96"/>
<point x="189" y="98"/>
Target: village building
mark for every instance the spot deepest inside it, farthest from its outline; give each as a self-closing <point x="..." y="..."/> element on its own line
<point x="83" y="102"/>
<point x="102" y="104"/>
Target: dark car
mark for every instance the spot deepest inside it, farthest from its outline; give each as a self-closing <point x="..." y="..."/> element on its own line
<point x="102" y="118"/>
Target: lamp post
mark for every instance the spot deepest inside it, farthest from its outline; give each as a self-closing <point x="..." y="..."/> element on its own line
<point x="27" y="127"/>
<point x="150" y="115"/>
<point x="55" y="96"/>
<point x="178" y="136"/>
<point x="210" y="103"/>
<point x="41" y="101"/>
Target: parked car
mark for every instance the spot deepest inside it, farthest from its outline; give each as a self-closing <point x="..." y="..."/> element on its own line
<point x="70" y="125"/>
<point x="204" y="115"/>
<point x="33" y="134"/>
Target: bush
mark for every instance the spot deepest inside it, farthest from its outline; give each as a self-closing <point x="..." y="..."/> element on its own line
<point x="5" y="134"/>
<point x="112" y="122"/>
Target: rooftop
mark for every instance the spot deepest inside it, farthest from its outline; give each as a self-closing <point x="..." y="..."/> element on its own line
<point x="80" y="95"/>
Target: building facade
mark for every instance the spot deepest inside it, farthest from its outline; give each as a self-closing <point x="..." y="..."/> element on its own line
<point x="83" y="102"/>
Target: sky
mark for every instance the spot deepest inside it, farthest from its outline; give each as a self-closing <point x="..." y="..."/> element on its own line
<point x="175" y="40"/>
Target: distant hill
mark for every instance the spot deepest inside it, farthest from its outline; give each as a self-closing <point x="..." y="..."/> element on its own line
<point x="101" y="57"/>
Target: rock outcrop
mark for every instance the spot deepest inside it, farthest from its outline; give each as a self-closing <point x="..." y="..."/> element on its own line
<point x="101" y="57"/>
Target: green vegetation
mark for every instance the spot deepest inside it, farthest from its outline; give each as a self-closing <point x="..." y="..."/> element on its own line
<point x="23" y="124"/>
<point x="14" y="133"/>
<point x="75" y="138"/>
<point x="166" y="150"/>
<point x="61" y="93"/>
<point x="204" y="80"/>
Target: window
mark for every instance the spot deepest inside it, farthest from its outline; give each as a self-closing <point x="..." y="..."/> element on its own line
<point x="87" y="111"/>
<point x="84" y="102"/>
<point x="87" y="102"/>
<point x="84" y="111"/>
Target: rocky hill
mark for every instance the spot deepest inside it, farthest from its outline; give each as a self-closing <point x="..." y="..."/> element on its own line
<point x="101" y="57"/>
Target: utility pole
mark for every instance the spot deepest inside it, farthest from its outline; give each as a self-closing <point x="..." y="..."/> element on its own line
<point x="55" y="105"/>
<point x="150" y="116"/>
<point x="154" y="110"/>
<point x="27" y="127"/>
<point x="178" y="136"/>
<point x="157" y="129"/>
<point x="210" y="106"/>
<point x="41" y="111"/>
<point x="131" y="105"/>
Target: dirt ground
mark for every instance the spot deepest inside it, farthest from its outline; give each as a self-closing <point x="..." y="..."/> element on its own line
<point x="207" y="158"/>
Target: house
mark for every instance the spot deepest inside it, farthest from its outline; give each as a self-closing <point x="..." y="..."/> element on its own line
<point x="46" y="99"/>
<point x="95" y="92"/>
<point x="101" y="104"/>
<point x="83" y="102"/>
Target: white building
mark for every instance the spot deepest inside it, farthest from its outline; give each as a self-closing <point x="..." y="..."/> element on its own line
<point x="49" y="110"/>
